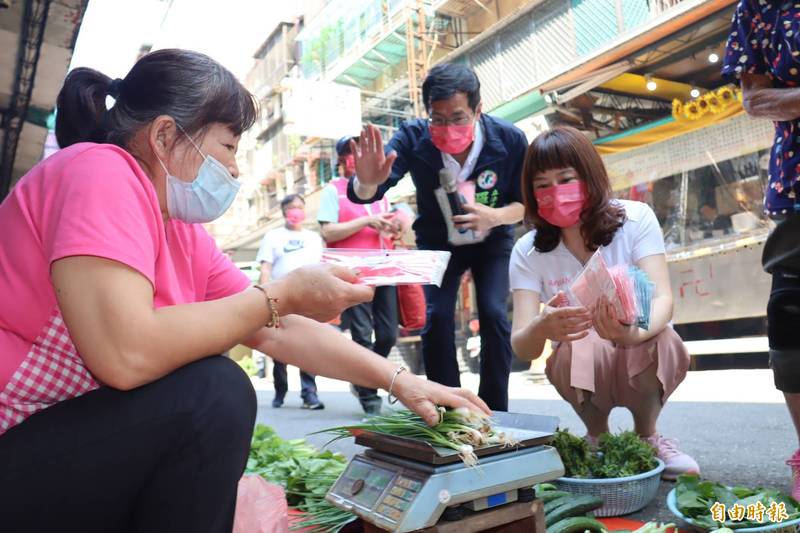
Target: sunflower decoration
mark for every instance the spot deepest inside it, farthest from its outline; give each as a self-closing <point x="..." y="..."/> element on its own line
<point x="692" y="110"/>
<point x="726" y="96"/>
<point x="677" y="109"/>
<point x="702" y="104"/>
<point x="739" y="96"/>
<point x="713" y="102"/>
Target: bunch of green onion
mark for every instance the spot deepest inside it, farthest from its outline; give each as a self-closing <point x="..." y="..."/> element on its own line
<point x="318" y="515"/>
<point x="461" y="430"/>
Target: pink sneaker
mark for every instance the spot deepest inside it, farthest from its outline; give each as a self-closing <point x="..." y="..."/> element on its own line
<point x="794" y="462"/>
<point x="676" y="462"/>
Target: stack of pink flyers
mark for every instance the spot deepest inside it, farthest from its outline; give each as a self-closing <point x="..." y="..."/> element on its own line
<point x="391" y="267"/>
<point x="596" y="281"/>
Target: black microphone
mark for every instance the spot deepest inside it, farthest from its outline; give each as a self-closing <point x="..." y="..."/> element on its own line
<point x="447" y="179"/>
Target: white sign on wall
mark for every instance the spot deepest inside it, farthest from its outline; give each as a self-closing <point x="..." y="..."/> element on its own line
<point x="702" y="286"/>
<point x="320" y="109"/>
<point x="533" y="126"/>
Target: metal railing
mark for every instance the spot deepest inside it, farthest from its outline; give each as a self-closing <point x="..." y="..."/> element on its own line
<point x="343" y="30"/>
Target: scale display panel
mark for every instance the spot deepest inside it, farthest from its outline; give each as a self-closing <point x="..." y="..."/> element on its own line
<point x="366" y="483"/>
<point x="382" y="491"/>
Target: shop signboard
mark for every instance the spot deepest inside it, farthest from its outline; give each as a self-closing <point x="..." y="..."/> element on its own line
<point x="320" y="109"/>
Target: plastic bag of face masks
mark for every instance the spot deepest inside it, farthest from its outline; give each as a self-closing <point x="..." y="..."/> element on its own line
<point x="593" y="283"/>
<point x="379" y="268"/>
<point x="626" y="287"/>
<point x="260" y="507"/>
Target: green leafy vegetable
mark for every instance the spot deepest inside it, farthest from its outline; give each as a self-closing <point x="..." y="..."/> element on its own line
<point x="694" y="498"/>
<point x="305" y="473"/>
<point x="575" y="454"/>
<point x="619" y="455"/>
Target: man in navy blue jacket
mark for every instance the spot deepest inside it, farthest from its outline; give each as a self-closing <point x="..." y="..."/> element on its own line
<point x="475" y="148"/>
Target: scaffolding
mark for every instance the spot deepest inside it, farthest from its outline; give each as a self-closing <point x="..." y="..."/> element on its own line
<point x="418" y="45"/>
<point x="34" y="21"/>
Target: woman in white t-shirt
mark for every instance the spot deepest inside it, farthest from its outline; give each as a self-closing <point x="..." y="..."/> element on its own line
<point x="598" y="362"/>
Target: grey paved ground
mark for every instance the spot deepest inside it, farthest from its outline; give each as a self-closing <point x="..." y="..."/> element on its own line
<point x="732" y="422"/>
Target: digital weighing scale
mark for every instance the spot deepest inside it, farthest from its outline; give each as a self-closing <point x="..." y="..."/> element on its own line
<point x="403" y="485"/>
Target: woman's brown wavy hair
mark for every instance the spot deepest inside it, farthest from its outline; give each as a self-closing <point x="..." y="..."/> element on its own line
<point x="563" y="147"/>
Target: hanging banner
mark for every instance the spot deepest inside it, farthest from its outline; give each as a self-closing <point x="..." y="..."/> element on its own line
<point x="320" y="109"/>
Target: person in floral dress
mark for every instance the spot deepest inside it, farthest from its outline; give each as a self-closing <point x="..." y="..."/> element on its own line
<point x="763" y="54"/>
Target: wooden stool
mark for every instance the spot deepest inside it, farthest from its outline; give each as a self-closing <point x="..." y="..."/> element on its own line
<point x="522" y="517"/>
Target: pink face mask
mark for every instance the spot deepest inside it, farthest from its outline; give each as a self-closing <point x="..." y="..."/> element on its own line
<point x="452" y="139"/>
<point x="561" y="205"/>
<point x="349" y="163"/>
<point x="295" y="216"/>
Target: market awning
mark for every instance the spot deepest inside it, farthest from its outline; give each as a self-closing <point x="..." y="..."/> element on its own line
<point x="660" y="130"/>
<point x="636" y="84"/>
<point x="522" y="107"/>
<point x="593" y="70"/>
<point x="681" y="16"/>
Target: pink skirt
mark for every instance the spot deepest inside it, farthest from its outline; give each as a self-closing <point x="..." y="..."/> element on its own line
<point x="595" y="365"/>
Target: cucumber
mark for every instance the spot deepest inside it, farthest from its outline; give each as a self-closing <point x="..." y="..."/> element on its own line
<point x="544" y="487"/>
<point x="557" y="502"/>
<point x="576" y="506"/>
<point x="551" y="495"/>
<point x="576" y="524"/>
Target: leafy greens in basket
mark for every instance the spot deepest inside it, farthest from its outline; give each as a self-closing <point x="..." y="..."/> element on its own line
<point x="619" y="455"/>
<point x="695" y="497"/>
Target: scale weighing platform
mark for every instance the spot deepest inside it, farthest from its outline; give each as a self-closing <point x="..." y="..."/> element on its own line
<point x="403" y="485"/>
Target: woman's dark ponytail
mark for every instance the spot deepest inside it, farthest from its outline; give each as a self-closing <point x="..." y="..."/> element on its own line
<point x="188" y="86"/>
<point x="81" y="107"/>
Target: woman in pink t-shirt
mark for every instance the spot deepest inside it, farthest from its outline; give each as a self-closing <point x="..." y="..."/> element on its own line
<point x="114" y="413"/>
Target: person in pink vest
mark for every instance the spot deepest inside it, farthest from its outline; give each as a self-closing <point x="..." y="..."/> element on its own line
<point x="349" y="225"/>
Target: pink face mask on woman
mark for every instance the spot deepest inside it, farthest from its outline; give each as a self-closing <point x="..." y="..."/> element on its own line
<point x="295" y="216"/>
<point x="561" y="205"/>
<point x="452" y="139"/>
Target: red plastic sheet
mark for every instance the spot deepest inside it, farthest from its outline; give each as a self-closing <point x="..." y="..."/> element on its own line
<point x="618" y="524"/>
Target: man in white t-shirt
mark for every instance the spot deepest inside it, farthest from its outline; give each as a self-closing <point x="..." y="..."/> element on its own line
<point x="283" y="250"/>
